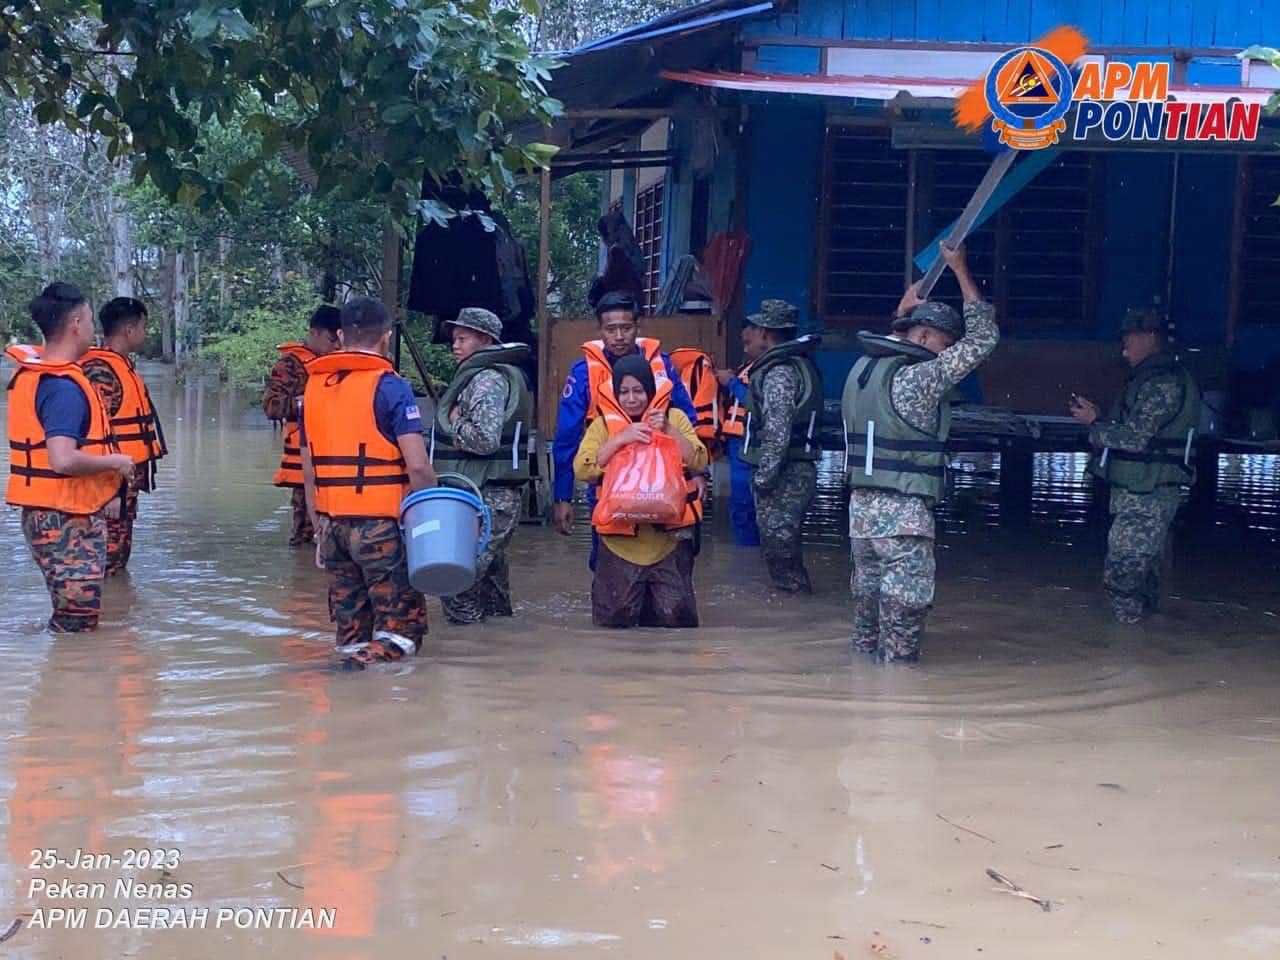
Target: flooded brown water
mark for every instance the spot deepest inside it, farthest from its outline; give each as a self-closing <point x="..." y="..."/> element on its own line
<point x="538" y="787"/>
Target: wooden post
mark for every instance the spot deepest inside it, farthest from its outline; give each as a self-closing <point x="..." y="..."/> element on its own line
<point x="546" y="390"/>
<point x="1238" y="215"/>
<point x="392" y="266"/>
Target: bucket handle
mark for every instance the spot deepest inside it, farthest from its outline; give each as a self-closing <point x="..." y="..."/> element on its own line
<point x="486" y="515"/>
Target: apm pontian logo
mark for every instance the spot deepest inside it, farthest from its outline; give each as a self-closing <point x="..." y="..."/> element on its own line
<point x="1028" y="95"/>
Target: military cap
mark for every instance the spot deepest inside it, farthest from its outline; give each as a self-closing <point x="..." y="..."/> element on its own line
<point x="481" y="320"/>
<point x="1144" y="320"/>
<point x="932" y="313"/>
<point x="775" y="315"/>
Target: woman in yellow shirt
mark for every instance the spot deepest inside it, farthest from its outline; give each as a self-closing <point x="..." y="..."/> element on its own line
<point x="644" y="576"/>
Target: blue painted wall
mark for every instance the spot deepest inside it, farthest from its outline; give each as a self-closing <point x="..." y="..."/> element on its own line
<point x="1231" y="24"/>
<point x="788" y="60"/>
<point x="1202" y="247"/>
<point x="785" y="144"/>
<point x="1135" y="246"/>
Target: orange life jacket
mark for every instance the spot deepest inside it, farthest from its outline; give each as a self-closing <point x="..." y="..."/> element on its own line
<point x="32" y="480"/>
<point x="617" y="420"/>
<point x="600" y="372"/>
<point x="135" y="425"/>
<point x="290" y="472"/>
<point x="359" y="472"/>
<point x="735" y="414"/>
<point x="698" y="374"/>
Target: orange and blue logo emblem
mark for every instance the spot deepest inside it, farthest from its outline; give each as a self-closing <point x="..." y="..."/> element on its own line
<point x="1028" y="91"/>
<point x="1031" y="96"/>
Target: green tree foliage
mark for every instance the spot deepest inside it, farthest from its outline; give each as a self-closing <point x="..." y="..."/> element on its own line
<point x="370" y="94"/>
<point x="247" y="348"/>
<point x="52" y="217"/>
<point x="1272" y="56"/>
<point x="575" y="244"/>
<point x="564" y="24"/>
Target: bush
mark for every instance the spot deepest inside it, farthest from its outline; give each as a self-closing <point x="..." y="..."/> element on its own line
<point x="246" y="356"/>
<point x="247" y="350"/>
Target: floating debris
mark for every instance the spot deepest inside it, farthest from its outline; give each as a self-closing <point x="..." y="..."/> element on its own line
<point x="1008" y="886"/>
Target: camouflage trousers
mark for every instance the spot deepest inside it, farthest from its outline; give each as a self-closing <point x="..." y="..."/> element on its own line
<point x="490" y="595"/>
<point x="300" y="531"/>
<point x="1135" y="550"/>
<point x="120" y="534"/>
<point x="892" y="586"/>
<point x="369" y="588"/>
<point x="71" y="552"/>
<point x="780" y="517"/>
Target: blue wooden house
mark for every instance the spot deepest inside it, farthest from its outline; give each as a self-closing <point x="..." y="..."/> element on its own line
<point x="822" y="130"/>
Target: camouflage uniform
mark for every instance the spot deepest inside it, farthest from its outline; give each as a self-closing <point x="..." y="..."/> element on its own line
<point x="71" y="552"/>
<point x="119" y="531"/>
<point x="369" y="588"/>
<point x="1140" y="521"/>
<point x="280" y="403"/>
<point x="481" y="413"/>
<point x="892" y="533"/>
<point x="783" y="488"/>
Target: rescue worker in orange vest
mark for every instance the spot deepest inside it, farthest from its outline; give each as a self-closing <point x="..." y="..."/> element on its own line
<point x="280" y="403"/>
<point x="742" y="503"/>
<point x="698" y="374"/>
<point x="65" y="471"/>
<point x="362" y="452"/>
<point x="618" y="318"/>
<point x="133" y="416"/>
<point x="644" y="574"/>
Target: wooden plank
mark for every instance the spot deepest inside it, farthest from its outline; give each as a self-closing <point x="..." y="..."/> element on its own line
<point x="908" y="268"/>
<point x="1158" y="17"/>
<point x="1089" y="16"/>
<point x="549" y="393"/>
<point x="1111" y="23"/>
<point x="1226" y="24"/>
<point x="1237" y="246"/>
<point x="1177" y="29"/>
<point x="788" y="60"/>
<point x="1204" y="13"/>
<point x="928" y="16"/>
<point x="1213" y="71"/>
<point x="1047" y="14"/>
<point x="903" y="19"/>
<point x="849" y="27"/>
<point x="820" y="18"/>
<point x="1133" y="28"/>
<point x="874" y="19"/>
<point x="823" y="245"/>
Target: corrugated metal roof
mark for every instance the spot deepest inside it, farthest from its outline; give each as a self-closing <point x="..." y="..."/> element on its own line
<point x="917" y="88"/>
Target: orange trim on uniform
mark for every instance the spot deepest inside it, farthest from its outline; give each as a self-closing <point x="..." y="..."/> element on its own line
<point x="298" y="351"/>
<point x="289" y="473"/>
<point x="616" y="420"/>
<point x="698" y="374"/>
<point x="359" y="472"/>
<point x="134" y="425"/>
<point x="32" y="480"/>
<point x="600" y="371"/>
<point x="735" y="415"/>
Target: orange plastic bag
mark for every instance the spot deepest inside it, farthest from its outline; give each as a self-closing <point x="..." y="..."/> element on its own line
<point x="643" y="483"/>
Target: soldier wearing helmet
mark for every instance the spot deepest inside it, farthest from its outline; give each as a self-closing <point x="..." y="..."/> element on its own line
<point x="1145" y="453"/>
<point x="897" y="417"/>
